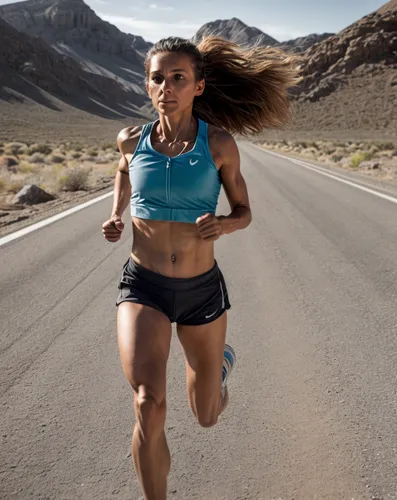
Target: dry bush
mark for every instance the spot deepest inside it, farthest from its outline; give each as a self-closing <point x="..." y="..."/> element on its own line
<point x="358" y="158"/>
<point x="37" y="158"/>
<point x="337" y="157"/>
<point x="28" y="168"/>
<point x="44" y="149"/>
<point x="109" y="145"/>
<point x="57" y="158"/>
<point x="15" y="148"/>
<point x="386" y="146"/>
<point x="75" y="180"/>
<point x="3" y="184"/>
<point x="88" y="158"/>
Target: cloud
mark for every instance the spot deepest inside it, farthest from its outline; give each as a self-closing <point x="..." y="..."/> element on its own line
<point x="154" y="6"/>
<point x="152" y="30"/>
<point x="101" y="2"/>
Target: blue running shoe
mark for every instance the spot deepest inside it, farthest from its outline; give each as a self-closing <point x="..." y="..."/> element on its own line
<point x="229" y="361"/>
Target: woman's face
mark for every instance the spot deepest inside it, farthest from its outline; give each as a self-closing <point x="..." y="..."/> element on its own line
<point x="171" y="82"/>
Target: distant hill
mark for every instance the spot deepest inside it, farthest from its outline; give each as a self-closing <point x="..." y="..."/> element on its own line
<point x="364" y="47"/>
<point x="303" y="43"/>
<point x="238" y="32"/>
<point x="29" y="65"/>
<point x="73" y="29"/>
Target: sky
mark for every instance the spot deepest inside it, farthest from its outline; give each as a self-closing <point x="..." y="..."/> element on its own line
<point x="281" y="19"/>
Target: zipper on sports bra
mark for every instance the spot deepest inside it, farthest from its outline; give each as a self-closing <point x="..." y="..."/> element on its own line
<point x="168" y="181"/>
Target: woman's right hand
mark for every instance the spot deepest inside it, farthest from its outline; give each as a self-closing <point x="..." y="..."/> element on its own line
<point x="113" y="228"/>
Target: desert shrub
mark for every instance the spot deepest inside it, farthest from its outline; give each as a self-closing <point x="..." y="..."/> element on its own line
<point x="336" y="157"/>
<point x="37" y="158"/>
<point x="57" y="158"/>
<point x="43" y="149"/>
<point x="358" y="158"/>
<point x="75" y="180"/>
<point x="15" y="148"/>
<point x="108" y="145"/>
<point x="27" y="168"/>
<point x="386" y="146"/>
<point x="92" y="152"/>
<point x="88" y="158"/>
<point x="3" y="184"/>
<point x="76" y="155"/>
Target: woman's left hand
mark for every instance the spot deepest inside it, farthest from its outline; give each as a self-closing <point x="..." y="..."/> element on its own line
<point x="209" y="227"/>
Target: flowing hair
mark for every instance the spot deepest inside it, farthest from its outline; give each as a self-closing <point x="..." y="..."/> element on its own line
<point x="246" y="89"/>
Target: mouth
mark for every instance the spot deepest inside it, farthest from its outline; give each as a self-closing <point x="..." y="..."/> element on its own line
<point x="167" y="102"/>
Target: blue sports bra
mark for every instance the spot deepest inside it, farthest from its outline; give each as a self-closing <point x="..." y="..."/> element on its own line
<point x="173" y="189"/>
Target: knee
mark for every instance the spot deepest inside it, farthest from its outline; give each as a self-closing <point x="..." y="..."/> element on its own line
<point x="150" y="410"/>
<point x="207" y="421"/>
<point x="206" y="417"/>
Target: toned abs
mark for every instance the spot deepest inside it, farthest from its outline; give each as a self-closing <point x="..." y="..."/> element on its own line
<point x="173" y="249"/>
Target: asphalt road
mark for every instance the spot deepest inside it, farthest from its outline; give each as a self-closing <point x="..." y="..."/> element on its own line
<point x="313" y="399"/>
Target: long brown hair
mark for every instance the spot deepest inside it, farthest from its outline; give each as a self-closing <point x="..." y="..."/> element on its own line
<point x="246" y="89"/>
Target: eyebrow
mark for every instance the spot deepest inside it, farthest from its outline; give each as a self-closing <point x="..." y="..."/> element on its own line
<point x="178" y="70"/>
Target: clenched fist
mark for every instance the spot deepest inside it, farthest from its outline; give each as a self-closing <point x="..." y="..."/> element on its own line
<point x="209" y="227"/>
<point x="113" y="228"/>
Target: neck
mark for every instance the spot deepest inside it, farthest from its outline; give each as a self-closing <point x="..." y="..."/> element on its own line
<point x="181" y="128"/>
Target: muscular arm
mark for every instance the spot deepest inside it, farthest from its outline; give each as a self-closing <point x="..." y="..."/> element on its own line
<point x="127" y="141"/>
<point x="234" y="185"/>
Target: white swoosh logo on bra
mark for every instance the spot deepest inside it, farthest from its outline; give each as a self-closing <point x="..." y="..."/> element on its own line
<point x="193" y="162"/>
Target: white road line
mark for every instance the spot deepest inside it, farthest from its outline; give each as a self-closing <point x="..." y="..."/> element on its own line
<point x="337" y="177"/>
<point x="50" y="220"/>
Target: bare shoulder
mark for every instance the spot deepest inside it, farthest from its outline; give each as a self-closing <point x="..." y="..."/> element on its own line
<point x="222" y="145"/>
<point x="128" y="138"/>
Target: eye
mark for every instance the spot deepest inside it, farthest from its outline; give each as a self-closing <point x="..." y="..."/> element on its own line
<point x="157" y="79"/>
<point x="178" y="76"/>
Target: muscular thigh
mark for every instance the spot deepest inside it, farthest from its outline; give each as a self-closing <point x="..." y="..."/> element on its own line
<point x="144" y="337"/>
<point x="203" y="346"/>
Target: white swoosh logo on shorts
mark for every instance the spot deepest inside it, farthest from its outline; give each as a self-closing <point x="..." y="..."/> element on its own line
<point x="193" y="162"/>
<point x="209" y="316"/>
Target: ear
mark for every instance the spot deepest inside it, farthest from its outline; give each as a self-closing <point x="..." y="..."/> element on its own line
<point x="200" y="87"/>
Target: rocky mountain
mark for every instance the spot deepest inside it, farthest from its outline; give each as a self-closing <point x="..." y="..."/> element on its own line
<point x="30" y="68"/>
<point x="389" y="6"/>
<point x="301" y="44"/>
<point x="365" y="47"/>
<point x="238" y="32"/>
<point x="73" y="29"/>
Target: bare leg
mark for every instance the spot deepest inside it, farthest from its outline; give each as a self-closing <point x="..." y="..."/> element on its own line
<point x="204" y="346"/>
<point x="144" y="337"/>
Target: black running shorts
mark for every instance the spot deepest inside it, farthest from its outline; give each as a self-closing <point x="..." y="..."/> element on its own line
<point x="186" y="301"/>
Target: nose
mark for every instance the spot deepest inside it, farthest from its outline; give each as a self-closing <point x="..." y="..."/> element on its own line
<point x="166" y="87"/>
